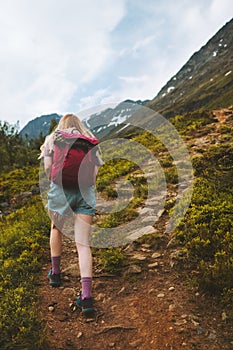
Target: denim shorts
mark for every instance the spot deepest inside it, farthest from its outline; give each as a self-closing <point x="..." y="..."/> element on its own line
<point x="61" y="200"/>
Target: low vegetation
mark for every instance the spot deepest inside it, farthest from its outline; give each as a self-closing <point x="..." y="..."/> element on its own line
<point x="205" y="234"/>
<point x="23" y="239"/>
<point x="16" y="152"/>
<point x="207" y="229"/>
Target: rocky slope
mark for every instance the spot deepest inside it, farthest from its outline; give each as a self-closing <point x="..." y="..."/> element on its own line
<point x="205" y="81"/>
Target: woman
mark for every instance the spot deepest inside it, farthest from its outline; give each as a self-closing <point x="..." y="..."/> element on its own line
<point x="59" y="200"/>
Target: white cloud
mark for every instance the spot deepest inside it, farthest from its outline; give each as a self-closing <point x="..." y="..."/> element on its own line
<point x="137" y="46"/>
<point x="134" y="79"/>
<point x="219" y="9"/>
<point x="164" y="38"/>
<point x="49" y="49"/>
<point x="59" y="56"/>
<point x="132" y="87"/>
<point x="92" y="100"/>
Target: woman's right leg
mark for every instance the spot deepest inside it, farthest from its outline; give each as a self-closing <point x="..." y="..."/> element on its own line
<point x="82" y="239"/>
<point x="82" y="229"/>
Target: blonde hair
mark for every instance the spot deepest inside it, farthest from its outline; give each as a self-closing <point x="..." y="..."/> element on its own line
<point x="72" y="121"/>
<point x="68" y="122"/>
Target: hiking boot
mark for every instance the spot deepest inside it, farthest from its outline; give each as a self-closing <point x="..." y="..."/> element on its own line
<point x="86" y="305"/>
<point x="54" y="279"/>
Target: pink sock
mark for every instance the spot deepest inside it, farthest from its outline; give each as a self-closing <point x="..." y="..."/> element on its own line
<point x="86" y="287"/>
<point x="56" y="264"/>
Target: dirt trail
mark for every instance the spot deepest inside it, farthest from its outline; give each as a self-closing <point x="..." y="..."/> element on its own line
<point x="149" y="305"/>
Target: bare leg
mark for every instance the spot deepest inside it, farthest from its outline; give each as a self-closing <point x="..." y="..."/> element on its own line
<point x="55" y="251"/>
<point x="82" y="229"/>
<point x="55" y="241"/>
<point x="82" y="238"/>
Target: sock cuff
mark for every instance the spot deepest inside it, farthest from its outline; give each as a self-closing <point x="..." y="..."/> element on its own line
<point x="56" y="264"/>
<point x="86" y="279"/>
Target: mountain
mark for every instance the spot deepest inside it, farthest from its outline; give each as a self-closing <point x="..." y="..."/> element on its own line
<point x="39" y="125"/>
<point x="104" y="122"/>
<point x="204" y="82"/>
<point x="100" y="123"/>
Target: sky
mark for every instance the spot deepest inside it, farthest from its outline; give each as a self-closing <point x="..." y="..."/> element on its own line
<point x="69" y="56"/>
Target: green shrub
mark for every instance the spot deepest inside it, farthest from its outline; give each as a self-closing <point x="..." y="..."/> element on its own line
<point x="207" y="228"/>
<point x="21" y="252"/>
<point x="224" y="129"/>
<point x="192" y="123"/>
<point x="18" y="181"/>
<point x="111" y="259"/>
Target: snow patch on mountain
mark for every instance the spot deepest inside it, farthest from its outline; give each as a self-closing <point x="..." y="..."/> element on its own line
<point x="123" y="127"/>
<point x="170" y="88"/>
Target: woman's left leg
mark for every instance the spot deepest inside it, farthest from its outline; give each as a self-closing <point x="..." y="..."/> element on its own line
<point x="55" y="251"/>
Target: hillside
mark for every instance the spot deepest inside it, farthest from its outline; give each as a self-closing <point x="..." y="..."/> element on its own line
<point x="146" y="292"/>
<point x="204" y="82"/>
<point x="160" y="290"/>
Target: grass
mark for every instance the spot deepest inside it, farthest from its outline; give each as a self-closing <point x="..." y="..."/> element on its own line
<point x="23" y="241"/>
<point x="206" y="233"/>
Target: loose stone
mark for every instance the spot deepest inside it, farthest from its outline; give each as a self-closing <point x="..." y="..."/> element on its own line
<point x="171" y="307"/>
<point x="155" y="264"/>
<point x="161" y="295"/>
<point x="171" y="289"/>
<point x="156" y="255"/>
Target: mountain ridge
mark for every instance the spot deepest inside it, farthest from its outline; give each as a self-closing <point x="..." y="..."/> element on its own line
<point x="39" y="125"/>
<point x="203" y="82"/>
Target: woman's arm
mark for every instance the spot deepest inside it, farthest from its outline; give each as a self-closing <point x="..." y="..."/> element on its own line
<point x="48" y="161"/>
<point x="98" y="159"/>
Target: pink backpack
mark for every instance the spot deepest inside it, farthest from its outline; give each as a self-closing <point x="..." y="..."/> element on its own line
<point x="74" y="160"/>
